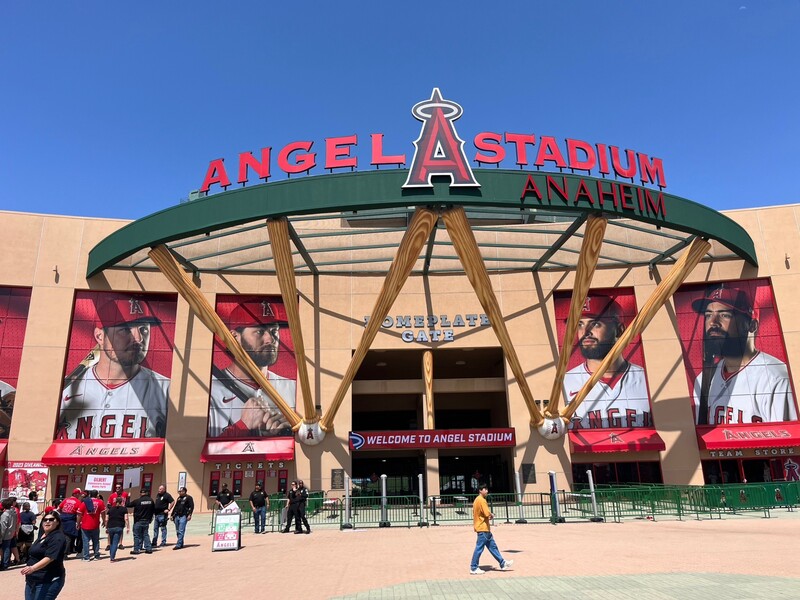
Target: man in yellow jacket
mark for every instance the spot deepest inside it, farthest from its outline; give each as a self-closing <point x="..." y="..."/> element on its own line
<point x="481" y="515"/>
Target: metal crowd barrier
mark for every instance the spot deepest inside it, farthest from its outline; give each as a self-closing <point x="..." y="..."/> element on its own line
<point x="614" y="503"/>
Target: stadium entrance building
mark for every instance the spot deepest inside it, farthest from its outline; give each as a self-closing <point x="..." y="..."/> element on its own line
<point x="422" y="317"/>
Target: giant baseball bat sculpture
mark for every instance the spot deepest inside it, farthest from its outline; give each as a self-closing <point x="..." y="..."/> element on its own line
<point x="279" y="238"/>
<point x="195" y="299"/>
<point x="587" y="263"/>
<point x="470" y="255"/>
<point x="663" y="292"/>
<point x="418" y="232"/>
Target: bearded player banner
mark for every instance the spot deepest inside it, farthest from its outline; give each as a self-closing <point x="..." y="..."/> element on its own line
<point x="14" y="304"/>
<point x="237" y="407"/>
<point x="734" y="353"/>
<point x="621" y="398"/>
<point x="117" y="376"/>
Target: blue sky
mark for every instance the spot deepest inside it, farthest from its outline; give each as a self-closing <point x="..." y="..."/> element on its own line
<point x="115" y="110"/>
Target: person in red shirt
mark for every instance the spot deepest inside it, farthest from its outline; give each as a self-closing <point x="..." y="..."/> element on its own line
<point x="68" y="509"/>
<point x="91" y="513"/>
<point x="112" y="499"/>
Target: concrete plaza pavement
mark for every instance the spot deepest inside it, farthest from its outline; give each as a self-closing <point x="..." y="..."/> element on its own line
<point x="733" y="558"/>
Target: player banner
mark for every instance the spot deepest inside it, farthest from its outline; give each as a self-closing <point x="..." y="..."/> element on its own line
<point x="734" y="353"/>
<point x="621" y="398"/>
<point x="117" y="378"/>
<point x="237" y="407"/>
<point x="14" y="305"/>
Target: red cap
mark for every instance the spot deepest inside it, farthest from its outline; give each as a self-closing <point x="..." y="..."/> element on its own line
<point x="125" y="310"/>
<point x="734" y="298"/>
<point x="76" y="491"/>
<point x="257" y="312"/>
<point x="600" y="306"/>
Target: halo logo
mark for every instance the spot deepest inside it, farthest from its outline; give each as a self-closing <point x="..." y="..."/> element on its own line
<point x="356" y="440"/>
<point x="439" y="150"/>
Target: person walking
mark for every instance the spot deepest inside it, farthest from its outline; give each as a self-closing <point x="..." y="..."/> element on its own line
<point x="27" y="524"/>
<point x="301" y="509"/>
<point x="258" y="504"/>
<point x="68" y="509"/>
<point x="116" y="522"/>
<point x="292" y="499"/>
<point x="90" y="513"/>
<point x="44" y="572"/>
<point x="481" y="516"/>
<point x="8" y="532"/>
<point x="164" y="502"/>
<point x="181" y="515"/>
<point x="143" y="508"/>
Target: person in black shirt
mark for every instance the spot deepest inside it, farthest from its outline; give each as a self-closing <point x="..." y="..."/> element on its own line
<point x="258" y="502"/>
<point x="302" y="491"/>
<point x="224" y="497"/>
<point x="182" y="514"/>
<point x="44" y="573"/>
<point x="116" y="522"/>
<point x="292" y="500"/>
<point x="164" y="502"/>
<point x="143" y="508"/>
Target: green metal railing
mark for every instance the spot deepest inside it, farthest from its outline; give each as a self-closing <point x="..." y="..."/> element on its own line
<point x="614" y="503"/>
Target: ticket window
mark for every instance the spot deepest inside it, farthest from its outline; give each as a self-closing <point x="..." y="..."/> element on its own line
<point x="213" y="486"/>
<point x="61" y="486"/>
<point x="147" y="483"/>
<point x="283" y="477"/>
<point x="260" y="478"/>
<point x="237" y="483"/>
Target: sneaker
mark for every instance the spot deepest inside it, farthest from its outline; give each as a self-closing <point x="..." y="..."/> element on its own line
<point x="148" y="551"/>
<point x="120" y="547"/>
<point x="476" y="571"/>
<point x="135" y="552"/>
<point x="507" y="565"/>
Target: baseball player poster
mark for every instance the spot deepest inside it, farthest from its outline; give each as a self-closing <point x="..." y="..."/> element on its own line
<point x="734" y="353"/>
<point x="117" y="375"/>
<point x="237" y="407"/>
<point x="621" y="398"/>
<point x="14" y="304"/>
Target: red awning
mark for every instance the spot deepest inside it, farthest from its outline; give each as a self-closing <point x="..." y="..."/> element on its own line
<point x="105" y="452"/>
<point x="636" y="439"/>
<point x="277" y="448"/>
<point x="3" y="446"/>
<point x="750" y="435"/>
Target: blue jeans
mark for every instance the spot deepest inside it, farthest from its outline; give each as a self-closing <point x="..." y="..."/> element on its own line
<point x="485" y="540"/>
<point x="114" y="538"/>
<point x="260" y="516"/>
<point x="91" y="535"/>
<point x="141" y="530"/>
<point x="180" y="530"/>
<point x="44" y="591"/>
<point x="5" y="549"/>
<point x="160" y="522"/>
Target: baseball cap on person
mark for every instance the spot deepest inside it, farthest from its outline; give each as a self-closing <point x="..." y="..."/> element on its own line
<point x="256" y="312"/>
<point x="76" y="491"/>
<point x="734" y="298"/>
<point x="126" y="310"/>
<point x="600" y="306"/>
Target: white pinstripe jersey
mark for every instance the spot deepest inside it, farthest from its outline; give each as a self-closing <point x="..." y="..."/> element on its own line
<point x="620" y="402"/>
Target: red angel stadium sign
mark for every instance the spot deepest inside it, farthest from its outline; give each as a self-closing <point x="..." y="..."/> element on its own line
<point x="432" y="438"/>
<point x="440" y="151"/>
